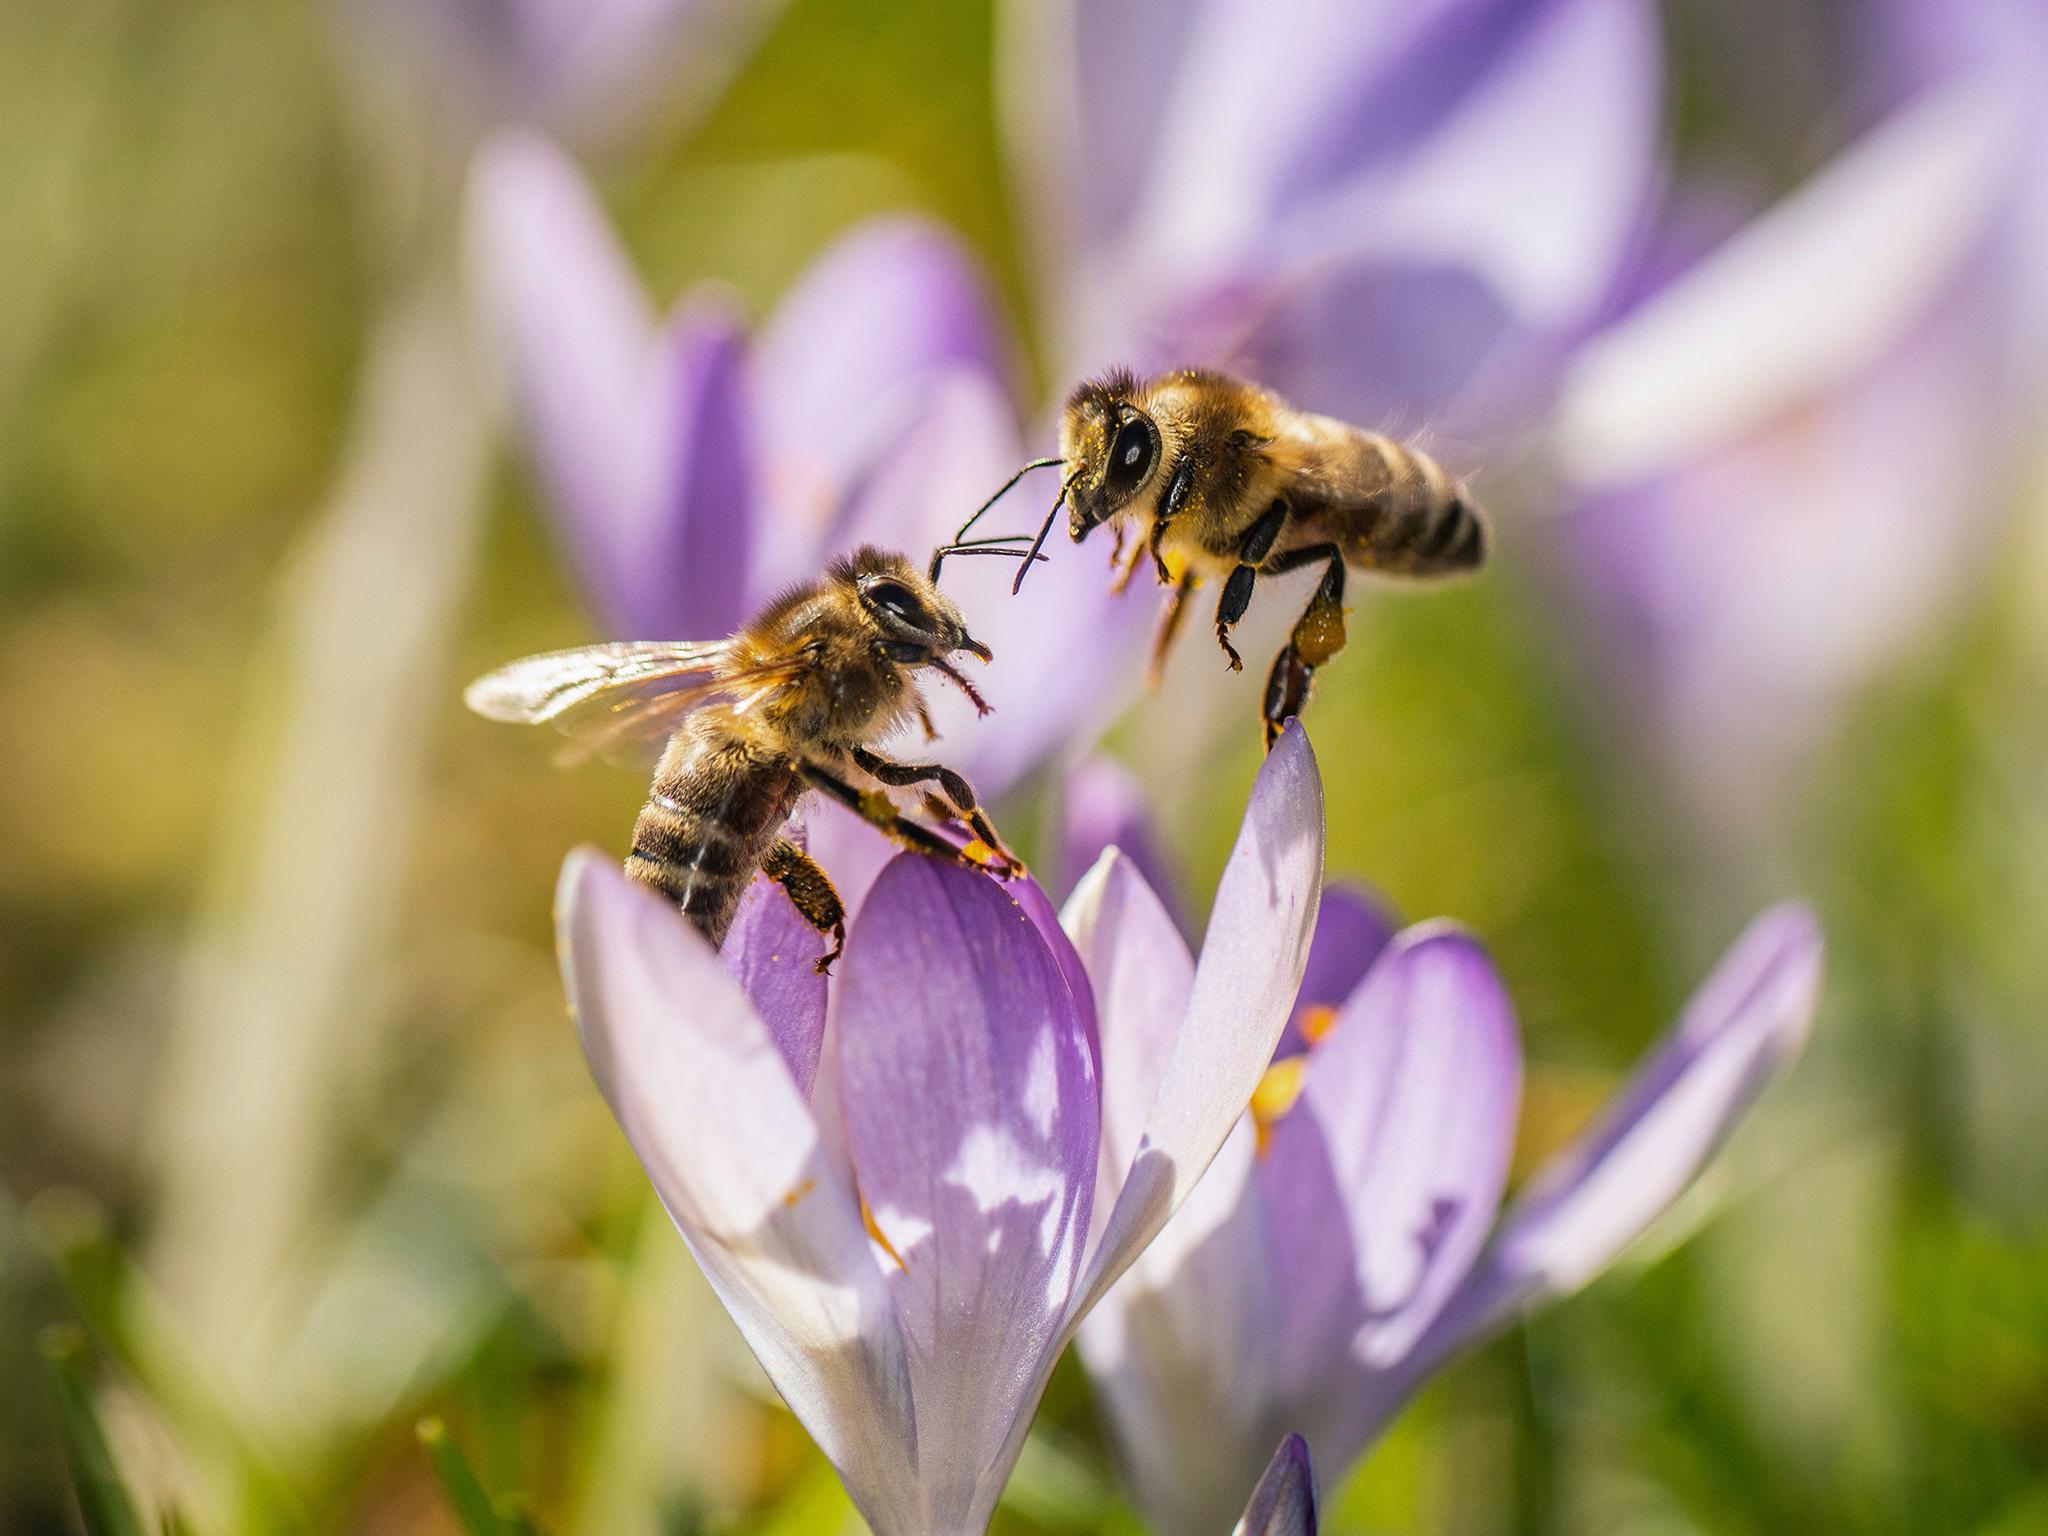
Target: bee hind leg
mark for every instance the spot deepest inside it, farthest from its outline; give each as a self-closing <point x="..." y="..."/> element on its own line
<point x="1252" y="550"/>
<point x="811" y="892"/>
<point x="1317" y="636"/>
<point x="956" y="796"/>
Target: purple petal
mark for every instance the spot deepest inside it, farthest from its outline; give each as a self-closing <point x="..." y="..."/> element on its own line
<point x="844" y="359"/>
<point x="968" y="1091"/>
<point x="708" y="1103"/>
<point x="1381" y="1184"/>
<point x="773" y="953"/>
<point x="1244" y="986"/>
<point x="1142" y="975"/>
<point x="688" y="534"/>
<point x="569" y="314"/>
<point x="1102" y="807"/>
<point x="1180" y="1351"/>
<point x="1741" y="1029"/>
<point x="1284" y="1503"/>
<point x="1353" y="924"/>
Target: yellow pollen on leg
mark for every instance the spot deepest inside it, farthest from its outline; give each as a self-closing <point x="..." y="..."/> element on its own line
<point x="1275" y="1096"/>
<point x="867" y="1219"/>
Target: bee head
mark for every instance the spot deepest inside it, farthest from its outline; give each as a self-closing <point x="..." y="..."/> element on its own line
<point x="1112" y="446"/>
<point x="915" y="624"/>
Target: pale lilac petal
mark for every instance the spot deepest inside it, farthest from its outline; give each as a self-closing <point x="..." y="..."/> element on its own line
<point x="773" y="953"/>
<point x="1382" y="1183"/>
<point x="1742" y="1028"/>
<point x="843" y="362"/>
<point x="568" y="314"/>
<point x="1353" y="924"/>
<point x="1102" y="806"/>
<point x="708" y="1103"/>
<point x="968" y="1091"/>
<point x="1180" y="1351"/>
<point x="1142" y="975"/>
<point x="1244" y="986"/>
<point x="1284" y="1503"/>
<point x="688" y="532"/>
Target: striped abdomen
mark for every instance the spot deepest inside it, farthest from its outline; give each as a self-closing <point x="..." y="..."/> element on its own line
<point x="715" y="809"/>
<point x="1412" y="518"/>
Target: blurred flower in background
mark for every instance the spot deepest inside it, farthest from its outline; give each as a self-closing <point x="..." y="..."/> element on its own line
<point x="1284" y="1503"/>
<point x="900" y="1211"/>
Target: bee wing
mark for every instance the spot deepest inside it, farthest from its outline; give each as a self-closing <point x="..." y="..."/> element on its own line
<point x="554" y="685"/>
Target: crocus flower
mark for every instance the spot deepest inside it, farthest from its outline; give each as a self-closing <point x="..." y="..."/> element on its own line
<point x="1790" y="462"/>
<point x="910" y="1181"/>
<point x="1345" y="1243"/>
<point x="1389" y="212"/>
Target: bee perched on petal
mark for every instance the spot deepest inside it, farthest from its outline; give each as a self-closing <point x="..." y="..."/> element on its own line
<point x="745" y="726"/>
<point x="1221" y="479"/>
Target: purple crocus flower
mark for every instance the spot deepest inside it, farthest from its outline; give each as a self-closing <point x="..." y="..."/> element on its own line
<point x="1386" y="211"/>
<point x="1345" y="1242"/>
<point x="1791" y="460"/>
<point x="910" y="1181"/>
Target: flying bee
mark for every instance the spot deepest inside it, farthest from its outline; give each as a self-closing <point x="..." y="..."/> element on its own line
<point x="1221" y="479"/>
<point x="745" y="726"/>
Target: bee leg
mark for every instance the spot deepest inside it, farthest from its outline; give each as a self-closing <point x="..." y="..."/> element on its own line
<point x="924" y="719"/>
<point x="880" y="812"/>
<point x="811" y="892"/>
<point x="1170" y="615"/>
<point x="1317" y="636"/>
<point x="1252" y="550"/>
<point x="959" y="797"/>
<point x="1172" y="502"/>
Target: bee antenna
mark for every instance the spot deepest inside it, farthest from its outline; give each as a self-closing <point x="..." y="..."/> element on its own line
<point x="982" y="547"/>
<point x="1044" y="528"/>
<point x="1006" y="488"/>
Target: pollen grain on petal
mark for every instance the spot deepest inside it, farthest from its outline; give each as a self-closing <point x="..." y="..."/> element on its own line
<point x="1275" y="1096"/>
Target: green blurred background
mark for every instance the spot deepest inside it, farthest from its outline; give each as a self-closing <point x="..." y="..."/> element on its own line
<point x="198" y="231"/>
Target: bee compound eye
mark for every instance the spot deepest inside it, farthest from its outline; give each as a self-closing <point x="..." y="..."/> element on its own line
<point x="899" y="602"/>
<point x="1131" y="451"/>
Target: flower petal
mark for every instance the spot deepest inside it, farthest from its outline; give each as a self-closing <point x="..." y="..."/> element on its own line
<point x="708" y="1103"/>
<point x="1244" y="986"/>
<point x="1353" y="926"/>
<point x="568" y="311"/>
<point x="1141" y="975"/>
<point x="773" y="953"/>
<point x="842" y="363"/>
<point x="1102" y="806"/>
<point x="1381" y="1184"/>
<point x="1743" y="1026"/>
<point x="967" y="1087"/>
<point x="1284" y="1503"/>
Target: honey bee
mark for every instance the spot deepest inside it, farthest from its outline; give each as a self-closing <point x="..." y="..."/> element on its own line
<point x="1222" y="479"/>
<point x="745" y="726"/>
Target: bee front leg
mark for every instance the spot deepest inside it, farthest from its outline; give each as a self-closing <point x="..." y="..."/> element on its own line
<point x="880" y="812"/>
<point x="811" y="892"/>
<point x="1252" y="550"/>
<point x="959" y="797"/>
<point x="1317" y="636"/>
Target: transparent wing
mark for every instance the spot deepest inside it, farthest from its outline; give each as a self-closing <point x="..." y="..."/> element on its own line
<point x="555" y="685"/>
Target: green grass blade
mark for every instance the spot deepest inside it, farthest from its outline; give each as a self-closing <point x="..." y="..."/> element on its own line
<point x="102" y="1497"/>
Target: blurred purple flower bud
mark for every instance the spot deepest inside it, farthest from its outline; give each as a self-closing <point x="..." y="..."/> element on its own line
<point x="1338" y="1250"/>
<point x="1284" y="1503"/>
<point x="906" y="1182"/>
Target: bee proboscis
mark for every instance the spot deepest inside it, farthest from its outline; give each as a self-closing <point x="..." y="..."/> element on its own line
<point x="745" y="726"/>
<point x="1221" y="479"/>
